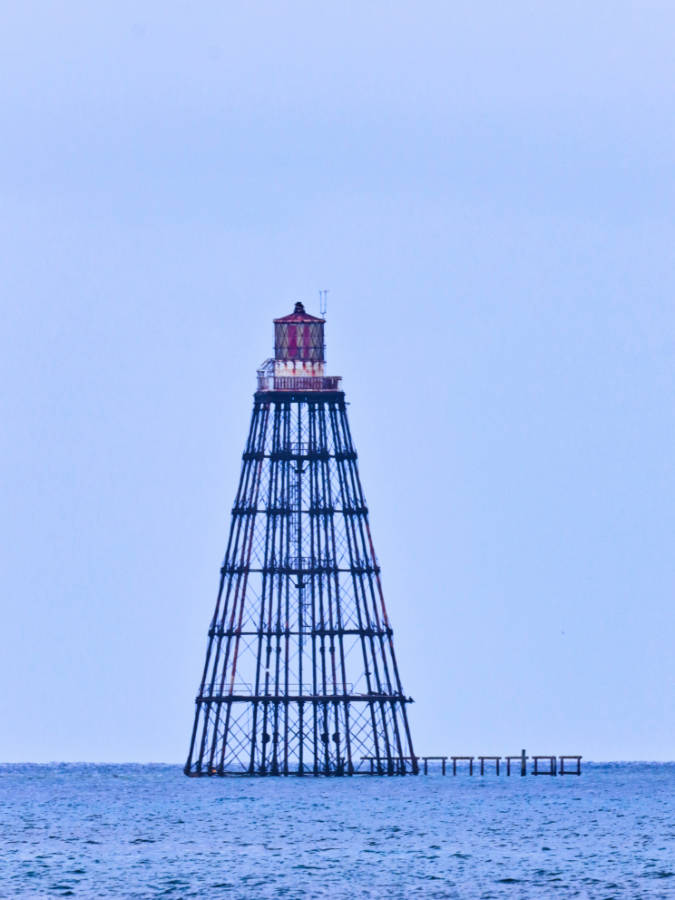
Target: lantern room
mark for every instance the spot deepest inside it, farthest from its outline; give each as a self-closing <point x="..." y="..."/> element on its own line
<point x="298" y="344"/>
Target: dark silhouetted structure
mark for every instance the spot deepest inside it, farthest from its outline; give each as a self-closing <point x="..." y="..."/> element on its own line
<point x="300" y="675"/>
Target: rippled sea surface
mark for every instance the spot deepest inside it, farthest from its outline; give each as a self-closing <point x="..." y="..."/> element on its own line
<point x="147" y="831"/>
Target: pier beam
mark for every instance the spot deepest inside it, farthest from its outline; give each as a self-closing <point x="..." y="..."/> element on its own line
<point x="551" y="762"/>
<point x="575" y="771"/>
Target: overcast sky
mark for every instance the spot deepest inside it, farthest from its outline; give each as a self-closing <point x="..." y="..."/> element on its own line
<point x="487" y="190"/>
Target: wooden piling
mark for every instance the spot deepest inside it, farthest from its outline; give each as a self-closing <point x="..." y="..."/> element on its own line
<point x="468" y="759"/>
<point x="575" y="771"/>
<point x="551" y="762"/>
<point x="482" y="763"/>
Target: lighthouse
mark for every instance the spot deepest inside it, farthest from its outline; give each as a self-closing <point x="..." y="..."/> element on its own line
<point x="300" y="675"/>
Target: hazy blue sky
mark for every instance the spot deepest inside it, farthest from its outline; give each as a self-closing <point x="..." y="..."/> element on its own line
<point x="487" y="190"/>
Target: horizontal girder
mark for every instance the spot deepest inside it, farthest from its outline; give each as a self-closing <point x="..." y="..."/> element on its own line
<point x="300" y="645"/>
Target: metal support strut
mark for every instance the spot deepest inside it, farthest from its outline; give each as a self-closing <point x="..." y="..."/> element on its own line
<point x="300" y="676"/>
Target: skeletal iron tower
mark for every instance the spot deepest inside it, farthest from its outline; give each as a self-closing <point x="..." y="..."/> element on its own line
<point x="300" y="675"/>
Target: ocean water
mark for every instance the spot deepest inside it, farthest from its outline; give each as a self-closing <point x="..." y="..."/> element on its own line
<point x="147" y="831"/>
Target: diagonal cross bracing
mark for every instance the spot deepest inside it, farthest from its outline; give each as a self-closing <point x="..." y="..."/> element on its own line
<point x="300" y="675"/>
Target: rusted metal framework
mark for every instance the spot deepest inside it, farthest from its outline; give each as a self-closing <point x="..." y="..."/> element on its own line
<point x="300" y="675"/>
